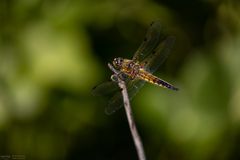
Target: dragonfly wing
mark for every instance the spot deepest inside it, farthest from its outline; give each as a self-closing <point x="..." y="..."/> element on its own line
<point x="150" y="41"/>
<point x="159" y="54"/>
<point x="116" y="102"/>
<point x="105" y="89"/>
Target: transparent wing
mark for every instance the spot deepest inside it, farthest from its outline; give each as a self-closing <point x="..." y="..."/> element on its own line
<point x="159" y="54"/>
<point x="105" y="89"/>
<point x="150" y="41"/>
<point x="116" y="102"/>
<point x="112" y="92"/>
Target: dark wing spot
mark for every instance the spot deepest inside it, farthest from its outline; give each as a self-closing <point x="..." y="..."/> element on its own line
<point x="145" y="39"/>
<point x="152" y="23"/>
<point x="154" y="52"/>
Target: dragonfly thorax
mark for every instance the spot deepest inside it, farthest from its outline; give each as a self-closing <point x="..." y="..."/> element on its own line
<point x="130" y="68"/>
<point x="126" y="66"/>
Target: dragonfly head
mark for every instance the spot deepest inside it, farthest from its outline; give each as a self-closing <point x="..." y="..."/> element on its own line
<point x="117" y="62"/>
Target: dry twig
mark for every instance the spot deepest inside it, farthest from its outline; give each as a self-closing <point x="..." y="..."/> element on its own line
<point x="132" y="125"/>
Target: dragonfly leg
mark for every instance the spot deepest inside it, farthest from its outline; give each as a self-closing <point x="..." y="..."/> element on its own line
<point x="120" y="75"/>
<point x="123" y="76"/>
<point x="114" y="78"/>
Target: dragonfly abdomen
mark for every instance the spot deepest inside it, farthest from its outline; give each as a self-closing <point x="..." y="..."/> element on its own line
<point x="155" y="80"/>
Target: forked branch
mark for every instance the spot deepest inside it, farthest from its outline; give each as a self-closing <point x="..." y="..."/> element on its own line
<point x="131" y="122"/>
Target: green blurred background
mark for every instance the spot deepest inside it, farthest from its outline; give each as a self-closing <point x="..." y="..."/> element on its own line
<point x="53" y="52"/>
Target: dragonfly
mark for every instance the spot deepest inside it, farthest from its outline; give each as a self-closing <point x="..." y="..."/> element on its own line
<point x="152" y="52"/>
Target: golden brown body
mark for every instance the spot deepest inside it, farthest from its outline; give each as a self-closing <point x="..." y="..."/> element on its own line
<point x="135" y="70"/>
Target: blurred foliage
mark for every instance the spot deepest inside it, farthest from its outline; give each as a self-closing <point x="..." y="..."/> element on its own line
<point x="53" y="52"/>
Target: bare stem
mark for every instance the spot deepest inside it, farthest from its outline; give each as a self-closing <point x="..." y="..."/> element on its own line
<point x="131" y="122"/>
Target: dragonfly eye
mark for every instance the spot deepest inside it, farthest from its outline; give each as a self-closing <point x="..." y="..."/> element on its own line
<point x="117" y="62"/>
